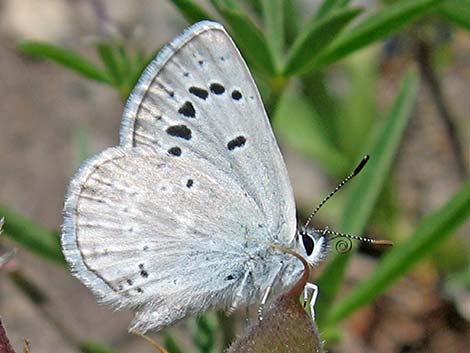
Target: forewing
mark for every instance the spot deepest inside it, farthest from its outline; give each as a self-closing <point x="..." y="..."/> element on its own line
<point x="197" y="99"/>
<point x="144" y="229"/>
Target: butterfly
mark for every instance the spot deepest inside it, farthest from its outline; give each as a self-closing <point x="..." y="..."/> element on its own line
<point x="178" y="218"/>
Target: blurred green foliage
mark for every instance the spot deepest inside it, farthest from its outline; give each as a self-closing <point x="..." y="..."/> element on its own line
<point x="292" y="56"/>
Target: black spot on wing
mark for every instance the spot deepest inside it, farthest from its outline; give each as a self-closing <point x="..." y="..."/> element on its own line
<point x="181" y="131"/>
<point x="143" y="272"/>
<point x="199" y="92"/>
<point x="217" y="88"/>
<point x="236" y="95"/>
<point x="175" y="151"/>
<point x="189" y="183"/>
<point x="187" y="109"/>
<point x="238" y="141"/>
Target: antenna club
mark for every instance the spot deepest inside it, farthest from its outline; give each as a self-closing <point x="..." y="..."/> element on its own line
<point x="361" y="164"/>
<point x="383" y="242"/>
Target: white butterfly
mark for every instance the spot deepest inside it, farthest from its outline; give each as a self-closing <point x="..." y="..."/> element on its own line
<point x="176" y="219"/>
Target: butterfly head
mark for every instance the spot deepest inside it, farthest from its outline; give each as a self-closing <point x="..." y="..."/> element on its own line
<point x="314" y="244"/>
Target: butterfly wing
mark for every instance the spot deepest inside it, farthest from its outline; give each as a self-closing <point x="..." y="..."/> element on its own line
<point x="144" y="229"/>
<point x="162" y="222"/>
<point x="198" y="99"/>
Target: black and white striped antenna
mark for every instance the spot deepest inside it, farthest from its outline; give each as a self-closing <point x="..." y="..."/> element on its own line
<point x="355" y="172"/>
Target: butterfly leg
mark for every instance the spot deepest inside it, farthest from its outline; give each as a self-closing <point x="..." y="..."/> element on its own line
<point x="313" y="288"/>
<point x="239" y="294"/>
<point x="268" y="290"/>
<point x="263" y="302"/>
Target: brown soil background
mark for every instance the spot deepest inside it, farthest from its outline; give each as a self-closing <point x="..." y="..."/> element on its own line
<point x="41" y="108"/>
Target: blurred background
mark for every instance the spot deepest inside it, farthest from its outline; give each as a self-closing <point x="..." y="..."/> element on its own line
<point x="339" y="79"/>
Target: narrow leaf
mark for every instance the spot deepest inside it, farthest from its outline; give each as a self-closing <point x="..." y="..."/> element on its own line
<point x="65" y="57"/>
<point x="318" y="92"/>
<point x="291" y="20"/>
<point x="31" y="236"/>
<point x="191" y="11"/>
<point x="251" y="40"/>
<point x="171" y="344"/>
<point x="273" y="15"/>
<point x="366" y="189"/>
<point x="204" y="334"/>
<point x="138" y="67"/>
<point x="108" y="57"/>
<point x="389" y="20"/>
<point x="297" y="124"/>
<point x="327" y="6"/>
<point x="315" y="38"/>
<point x="457" y="12"/>
<point x="432" y="231"/>
<point x="229" y="4"/>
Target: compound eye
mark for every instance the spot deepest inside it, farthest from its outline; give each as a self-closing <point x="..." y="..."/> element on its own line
<point x="309" y="243"/>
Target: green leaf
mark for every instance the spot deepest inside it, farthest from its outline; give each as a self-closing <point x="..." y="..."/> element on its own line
<point x="230" y="4"/>
<point x="325" y="103"/>
<point x="108" y="57"/>
<point x="297" y="124"/>
<point x="357" y="110"/>
<point x="123" y="60"/>
<point x="315" y="38"/>
<point x="329" y="5"/>
<point x="171" y="345"/>
<point x="273" y="15"/>
<point x="456" y="11"/>
<point x="141" y="62"/>
<point x="365" y="190"/>
<point x="251" y="40"/>
<point x="291" y="20"/>
<point x="389" y="20"/>
<point x="204" y="335"/>
<point x="254" y="6"/>
<point x="32" y="236"/>
<point x="93" y="347"/>
<point x="65" y="57"/>
<point x="191" y="11"/>
<point x="432" y="231"/>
